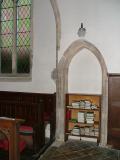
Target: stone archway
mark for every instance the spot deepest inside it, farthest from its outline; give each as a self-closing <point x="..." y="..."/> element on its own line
<point x="58" y="22"/>
<point x="62" y="88"/>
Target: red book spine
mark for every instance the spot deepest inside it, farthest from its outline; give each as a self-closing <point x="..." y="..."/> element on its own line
<point x="68" y="114"/>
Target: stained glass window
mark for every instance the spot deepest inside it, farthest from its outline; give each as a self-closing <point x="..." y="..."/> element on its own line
<point x="15" y="36"/>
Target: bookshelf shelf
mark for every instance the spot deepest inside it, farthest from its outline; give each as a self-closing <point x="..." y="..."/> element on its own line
<point x="68" y="133"/>
<point x="84" y="124"/>
<point x="82" y="109"/>
<point x="83" y="115"/>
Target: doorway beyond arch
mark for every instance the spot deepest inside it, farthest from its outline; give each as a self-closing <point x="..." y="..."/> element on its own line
<point x="62" y="88"/>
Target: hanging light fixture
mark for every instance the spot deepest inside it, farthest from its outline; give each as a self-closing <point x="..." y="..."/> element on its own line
<point x="81" y="31"/>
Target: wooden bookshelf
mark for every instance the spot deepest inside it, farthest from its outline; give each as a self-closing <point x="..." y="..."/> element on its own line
<point x="85" y="119"/>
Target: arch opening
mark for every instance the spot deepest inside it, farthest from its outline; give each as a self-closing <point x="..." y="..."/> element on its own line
<point x="85" y="75"/>
<point x="62" y="88"/>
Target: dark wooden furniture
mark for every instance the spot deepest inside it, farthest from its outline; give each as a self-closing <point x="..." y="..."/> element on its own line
<point x="10" y="127"/>
<point x="114" y="110"/>
<point x="35" y="108"/>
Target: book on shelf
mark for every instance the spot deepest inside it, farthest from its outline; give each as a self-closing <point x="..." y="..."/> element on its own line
<point x="76" y="130"/>
<point x="93" y="106"/>
<point x="81" y="117"/>
<point x="87" y="131"/>
<point x="96" y="131"/>
<point x="90" y="118"/>
<point x="82" y="104"/>
<point x="75" y="104"/>
<point x="89" y="121"/>
<point x="68" y="114"/>
<point x="87" y="104"/>
<point x="82" y="130"/>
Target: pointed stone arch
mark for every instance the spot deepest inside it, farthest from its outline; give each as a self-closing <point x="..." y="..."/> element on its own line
<point x="62" y="88"/>
<point x="56" y="12"/>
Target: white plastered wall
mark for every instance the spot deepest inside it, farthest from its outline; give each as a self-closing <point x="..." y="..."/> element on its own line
<point x="85" y="74"/>
<point x="101" y="19"/>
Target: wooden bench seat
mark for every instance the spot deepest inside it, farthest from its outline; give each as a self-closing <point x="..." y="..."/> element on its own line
<point x="10" y="128"/>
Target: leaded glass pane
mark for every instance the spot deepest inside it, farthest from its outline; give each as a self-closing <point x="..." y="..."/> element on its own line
<point x="24" y="2"/>
<point x="23" y="39"/>
<point x="23" y="12"/>
<point x="6" y="40"/>
<point x="7" y="4"/>
<point x="7" y="14"/>
<point x="23" y="36"/>
<point x="6" y="60"/>
<point x="6" y="27"/>
<point x="23" y="60"/>
<point x="23" y="25"/>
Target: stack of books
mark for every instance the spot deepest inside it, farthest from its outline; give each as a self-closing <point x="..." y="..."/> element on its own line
<point x="91" y="131"/>
<point x="96" y="132"/>
<point x="82" y="130"/>
<point x="93" y="106"/>
<point x="75" y="104"/>
<point x="81" y="117"/>
<point x="87" y="131"/>
<point x="89" y="118"/>
<point x="87" y="104"/>
<point x="82" y="104"/>
<point x="76" y="130"/>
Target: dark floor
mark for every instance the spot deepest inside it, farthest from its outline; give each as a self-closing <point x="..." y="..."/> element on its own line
<point x="25" y="155"/>
<point x="80" y="150"/>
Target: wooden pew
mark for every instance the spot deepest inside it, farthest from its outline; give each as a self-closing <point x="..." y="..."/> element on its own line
<point x="10" y="128"/>
<point x="31" y="107"/>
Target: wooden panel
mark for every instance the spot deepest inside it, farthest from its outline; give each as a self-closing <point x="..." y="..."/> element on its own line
<point x="35" y="108"/>
<point x="97" y="116"/>
<point x="114" y="111"/>
<point x="74" y="114"/>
